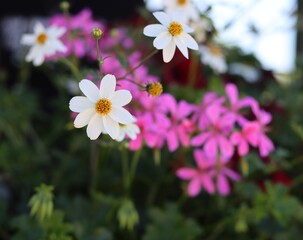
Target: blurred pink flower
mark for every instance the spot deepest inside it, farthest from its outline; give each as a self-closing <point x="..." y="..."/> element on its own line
<point x="237" y="104"/>
<point x="215" y="138"/>
<point x="200" y="177"/>
<point x="179" y="129"/>
<point x="222" y="173"/>
<point x="78" y="38"/>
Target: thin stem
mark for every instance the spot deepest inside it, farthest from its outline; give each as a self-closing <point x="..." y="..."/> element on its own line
<point x="139" y="65"/>
<point x="99" y="58"/>
<point x="134" y="164"/>
<point x="125" y="171"/>
<point x="72" y="67"/>
<point x="94" y="162"/>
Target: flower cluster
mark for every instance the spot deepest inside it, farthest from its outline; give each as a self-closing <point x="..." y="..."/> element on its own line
<point x="126" y="102"/>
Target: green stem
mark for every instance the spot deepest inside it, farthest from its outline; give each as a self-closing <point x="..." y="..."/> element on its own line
<point x="99" y="58"/>
<point x="94" y="162"/>
<point x="125" y="171"/>
<point x="72" y="67"/>
<point x="134" y="164"/>
<point x="139" y="65"/>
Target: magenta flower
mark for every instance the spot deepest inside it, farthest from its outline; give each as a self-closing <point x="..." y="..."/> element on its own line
<point x="222" y="173"/>
<point x="200" y="177"/>
<point x="243" y="138"/>
<point x="258" y="138"/>
<point x="180" y="127"/>
<point x="199" y="114"/>
<point x="78" y="38"/>
<point x="237" y="104"/>
<point x="215" y="138"/>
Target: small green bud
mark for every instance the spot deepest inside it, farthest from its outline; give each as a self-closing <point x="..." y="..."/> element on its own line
<point x="41" y="202"/>
<point x="127" y="215"/>
<point x="64" y="6"/>
<point x="97" y="33"/>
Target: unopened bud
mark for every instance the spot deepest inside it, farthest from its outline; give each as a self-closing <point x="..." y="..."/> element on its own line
<point x="64" y="6"/>
<point x="97" y="33"/>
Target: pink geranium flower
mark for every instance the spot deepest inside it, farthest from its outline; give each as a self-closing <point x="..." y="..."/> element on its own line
<point x="258" y="138"/>
<point x="215" y="138"/>
<point x="180" y="126"/>
<point x="200" y="177"/>
<point x="243" y="138"/>
<point x="237" y="104"/>
<point x="222" y="173"/>
<point x="199" y="114"/>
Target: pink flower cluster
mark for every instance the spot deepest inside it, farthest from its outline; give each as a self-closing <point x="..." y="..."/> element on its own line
<point x="78" y="36"/>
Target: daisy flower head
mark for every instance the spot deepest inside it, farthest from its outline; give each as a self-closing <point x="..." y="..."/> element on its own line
<point x="101" y="109"/>
<point x="128" y="130"/>
<point x="169" y="34"/>
<point x="213" y="56"/>
<point x="184" y="7"/>
<point x="44" y="42"/>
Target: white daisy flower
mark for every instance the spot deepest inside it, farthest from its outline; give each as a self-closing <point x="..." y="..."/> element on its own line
<point x="213" y="56"/>
<point x="101" y="109"/>
<point x="44" y="42"/>
<point x="169" y="34"/>
<point x="183" y="7"/>
<point x="128" y="130"/>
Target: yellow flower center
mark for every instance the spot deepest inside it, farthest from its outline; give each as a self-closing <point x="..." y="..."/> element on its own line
<point x="154" y="89"/>
<point x="175" y="28"/>
<point x="103" y="106"/>
<point x="215" y="50"/>
<point x="41" y="38"/>
<point x="181" y="2"/>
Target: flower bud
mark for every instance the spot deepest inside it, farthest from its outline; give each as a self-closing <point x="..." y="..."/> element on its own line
<point x="97" y="33"/>
<point x="41" y="202"/>
<point x="127" y="215"/>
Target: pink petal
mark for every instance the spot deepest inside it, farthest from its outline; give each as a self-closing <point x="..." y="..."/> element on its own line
<point x="232" y="93"/>
<point x="172" y="140"/>
<point x="200" y="139"/>
<point x="194" y="187"/>
<point x="226" y="147"/>
<point x="208" y="184"/>
<point x="223" y="185"/>
<point x="211" y="148"/>
<point x="186" y="173"/>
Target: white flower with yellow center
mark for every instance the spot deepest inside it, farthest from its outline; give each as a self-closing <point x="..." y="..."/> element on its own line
<point x="101" y="109"/>
<point x="130" y="130"/>
<point x="169" y="34"/>
<point x="182" y="7"/>
<point x="44" y="42"/>
<point x="213" y="56"/>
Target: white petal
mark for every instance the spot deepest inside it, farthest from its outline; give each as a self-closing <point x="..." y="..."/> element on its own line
<point x="188" y="29"/>
<point x="39" y="28"/>
<point x="121" y="98"/>
<point x="38" y="59"/>
<point x="190" y="41"/>
<point x="84" y="117"/>
<point x="169" y="51"/>
<point x="28" y="39"/>
<point x="90" y="90"/>
<point x="79" y="104"/>
<point x="162" y="40"/>
<point x="107" y="86"/>
<point x="111" y="127"/>
<point x="182" y="47"/>
<point x="163" y="18"/>
<point x="95" y="127"/>
<point x="153" y="30"/>
<point x="121" y="115"/>
<point x="55" y="31"/>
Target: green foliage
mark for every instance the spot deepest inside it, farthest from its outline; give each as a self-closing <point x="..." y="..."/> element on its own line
<point x="169" y="223"/>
